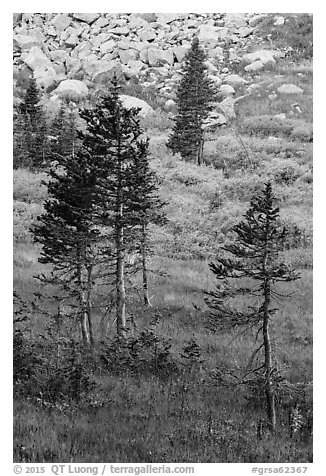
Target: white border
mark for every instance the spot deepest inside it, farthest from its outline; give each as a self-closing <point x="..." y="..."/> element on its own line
<point x="319" y="198"/>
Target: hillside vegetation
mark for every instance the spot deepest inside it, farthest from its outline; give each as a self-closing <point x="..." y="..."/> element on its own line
<point x="159" y="399"/>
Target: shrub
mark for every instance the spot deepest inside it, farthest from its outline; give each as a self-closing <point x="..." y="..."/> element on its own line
<point x="303" y="132"/>
<point x="48" y="369"/>
<point x="192" y="356"/>
<point x="28" y="187"/>
<point x="146" y="354"/>
<point x="149" y="94"/>
<point x="267" y="125"/>
<point x="158" y="121"/>
<point x="24" y="215"/>
<point x="241" y="187"/>
<point x="285" y="171"/>
<point x="25" y="361"/>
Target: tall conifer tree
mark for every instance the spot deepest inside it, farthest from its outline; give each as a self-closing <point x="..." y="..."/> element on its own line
<point x="68" y="235"/>
<point x="195" y="95"/>
<point x="113" y="139"/>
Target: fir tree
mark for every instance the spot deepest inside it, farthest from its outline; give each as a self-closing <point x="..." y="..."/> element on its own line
<point x="194" y="102"/>
<point x="254" y="255"/>
<point x="113" y="139"/>
<point x="68" y="236"/>
<point x="63" y="132"/>
<point x="34" y="127"/>
<point x="21" y="156"/>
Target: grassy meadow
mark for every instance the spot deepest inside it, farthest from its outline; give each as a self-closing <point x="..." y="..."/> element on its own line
<point x="158" y="405"/>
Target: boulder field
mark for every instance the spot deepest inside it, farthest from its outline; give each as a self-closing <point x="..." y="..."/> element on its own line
<point x="71" y="53"/>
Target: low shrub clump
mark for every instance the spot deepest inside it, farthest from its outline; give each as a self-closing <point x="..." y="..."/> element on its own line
<point x="158" y="121"/>
<point x="148" y="94"/>
<point x="284" y="171"/>
<point x="267" y="125"/>
<point x="28" y="186"/>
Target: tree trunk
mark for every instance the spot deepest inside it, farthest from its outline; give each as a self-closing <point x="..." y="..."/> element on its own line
<point x="83" y="306"/>
<point x="120" y="283"/>
<point x="270" y="400"/>
<point x="89" y="304"/>
<point x="200" y="152"/>
<point x="121" y="291"/>
<point x="144" y="266"/>
<point x="84" y="319"/>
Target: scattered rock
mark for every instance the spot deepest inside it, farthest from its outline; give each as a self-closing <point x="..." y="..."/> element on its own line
<point x="156" y="56"/>
<point x="234" y="80"/>
<point x="222" y="32"/>
<point x="137" y="23"/>
<point x="165" y="18"/>
<point x="147" y="34"/>
<point x="128" y="55"/>
<point x="256" y="19"/>
<point x="83" y="51"/>
<point x="279" y="21"/>
<point x="210" y="67"/>
<point x="217" y="53"/>
<point x="25" y="42"/>
<point x="129" y="101"/>
<point x="227" y="90"/>
<point x="244" y="31"/>
<point x="61" y="21"/>
<point x="265" y="56"/>
<point x="215" y="119"/>
<point x="179" y="52"/>
<point x="46" y="77"/>
<point x="208" y="34"/>
<point x="35" y="58"/>
<point x="74" y="68"/>
<point x="120" y="30"/>
<point x="59" y="56"/>
<point x="255" y="66"/>
<point x="143" y="55"/>
<point x="170" y="106"/>
<point x="105" y="70"/>
<point x="289" y="89"/>
<point x="99" y="39"/>
<point x="227" y="106"/>
<point x="135" y="66"/>
<point x="71" y="88"/>
<point x="216" y="80"/>
<point x="86" y="17"/>
<point x="16" y="18"/>
<point x="149" y="17"/>
<point x="107" y="46"/>
<point x="235" y="20"/>
<point x="126" y="45"/>
<point x="104" y="76"/>
<point x="72" y="40"/>
<point x="101" y="22"/>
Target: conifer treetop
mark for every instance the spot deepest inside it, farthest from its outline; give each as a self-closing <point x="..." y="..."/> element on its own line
<point x="195" y="97"/>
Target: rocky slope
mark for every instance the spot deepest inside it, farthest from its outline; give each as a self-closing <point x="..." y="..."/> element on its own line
<point x="88" y="47"/>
